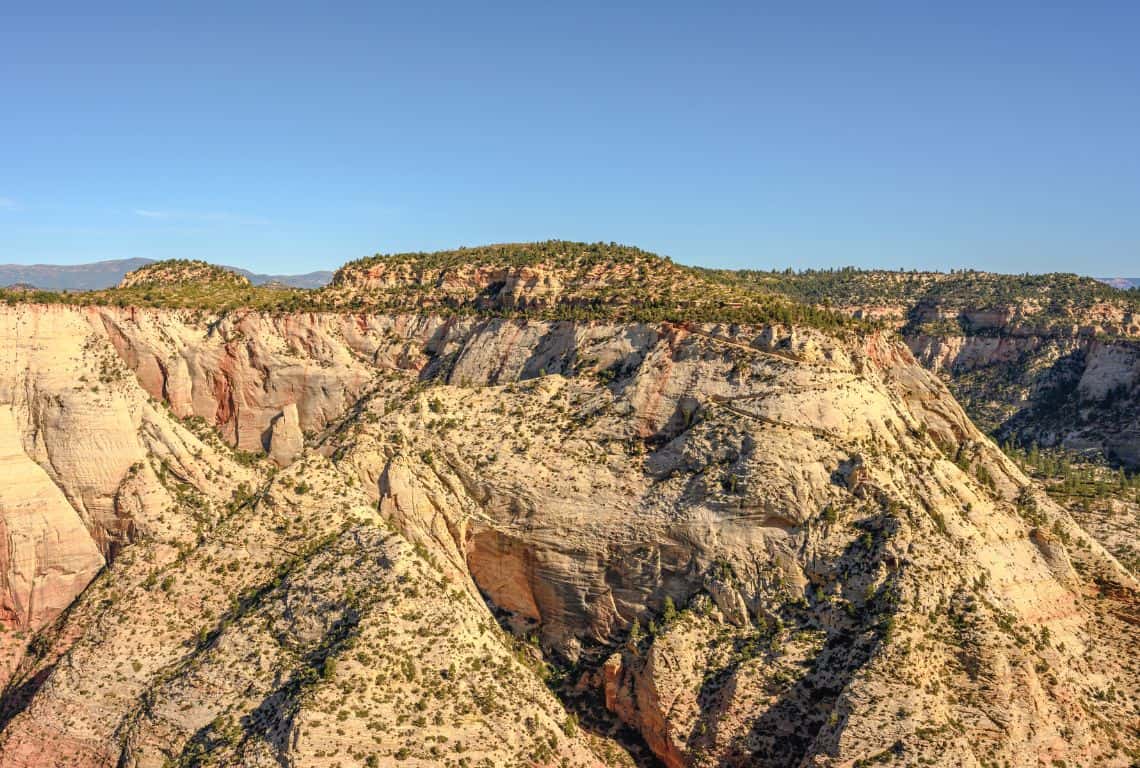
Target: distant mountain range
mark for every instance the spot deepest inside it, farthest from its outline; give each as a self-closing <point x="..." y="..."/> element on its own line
<point x="1123" y="283"/>
<point x="307" y="280"/>
<point x="105" y="274"/>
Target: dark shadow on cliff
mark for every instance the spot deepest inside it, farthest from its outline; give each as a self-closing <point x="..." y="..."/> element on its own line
<point x="22" y="687"/>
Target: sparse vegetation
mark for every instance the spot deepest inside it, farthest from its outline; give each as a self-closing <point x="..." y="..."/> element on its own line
<point x="596" y="281"/>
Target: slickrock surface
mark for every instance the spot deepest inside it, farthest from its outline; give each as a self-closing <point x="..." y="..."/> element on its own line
<point x="83" y="449"/>
<point x="522" y="542"/>
<point x="48" y="557"/>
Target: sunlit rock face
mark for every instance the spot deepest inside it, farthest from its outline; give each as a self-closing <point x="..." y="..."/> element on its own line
<point x="733" y="546"/>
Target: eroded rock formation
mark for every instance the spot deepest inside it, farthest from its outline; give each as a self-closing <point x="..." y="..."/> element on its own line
<point x="749" y="545"/>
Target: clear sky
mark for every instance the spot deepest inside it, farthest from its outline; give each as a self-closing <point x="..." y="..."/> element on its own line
<point x="289" y="137"/>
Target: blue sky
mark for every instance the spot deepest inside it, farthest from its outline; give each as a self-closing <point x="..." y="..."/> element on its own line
<point x="289" y="137"/>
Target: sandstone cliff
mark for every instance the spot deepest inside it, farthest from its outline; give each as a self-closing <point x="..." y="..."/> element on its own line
<point x="1046" y="360"/>
<point x="1075" y="392"/>
<point x="750" y="545"/>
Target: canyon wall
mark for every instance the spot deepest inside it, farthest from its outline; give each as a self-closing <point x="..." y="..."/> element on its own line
<point x="1077" y="392"/>
<point x="750" y="545"/>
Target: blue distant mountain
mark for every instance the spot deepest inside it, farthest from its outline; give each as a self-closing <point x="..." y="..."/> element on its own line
<point x="105" y="274"/>
<point x="1123" y="283"/>
<point x="308" y="280"/>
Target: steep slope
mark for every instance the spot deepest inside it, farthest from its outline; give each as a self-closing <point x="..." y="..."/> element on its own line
<point x="77" y="431"/>
<point x="49" y="557"/>
<point x="302" y="632"/>
<point x="219" y="563"/>
<point x="799" y="499"/>
<point x="1050" y="360"/>
<point x="496" y="540"/>
<point x="832" y="555"/>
